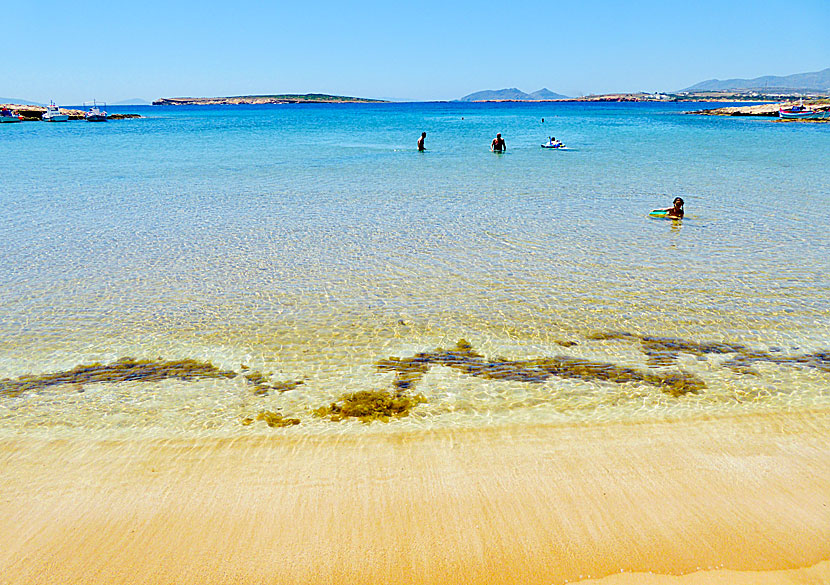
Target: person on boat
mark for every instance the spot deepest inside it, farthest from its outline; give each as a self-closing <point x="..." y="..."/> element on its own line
<point x="421" y="141"/>
<point x="498" y="144"/>
<point x="675" y="212"/>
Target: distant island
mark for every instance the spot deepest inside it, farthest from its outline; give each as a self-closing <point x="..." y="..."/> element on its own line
<point x="513" y="95"/>
<point x="545" y="95"/>
<point x="131" y="102"/>
<point x="818" y="82"/>
<point x="307" y="98"/>
<point x="767" y="88"/>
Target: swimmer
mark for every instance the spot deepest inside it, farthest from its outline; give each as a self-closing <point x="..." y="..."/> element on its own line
<point x="675" y="212"/>
<point x="421" y="141"/>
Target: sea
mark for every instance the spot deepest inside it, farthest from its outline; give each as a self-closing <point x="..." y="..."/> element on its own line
<point x="194" y="271"/>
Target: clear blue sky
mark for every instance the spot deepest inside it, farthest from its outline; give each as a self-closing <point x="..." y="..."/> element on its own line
<point x="424" y="49"/>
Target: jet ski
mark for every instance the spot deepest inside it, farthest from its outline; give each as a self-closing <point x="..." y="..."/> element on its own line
<point x="553" y="143"/>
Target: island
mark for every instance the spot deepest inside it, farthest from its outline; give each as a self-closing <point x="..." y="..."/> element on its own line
<point x="307" y="98"/>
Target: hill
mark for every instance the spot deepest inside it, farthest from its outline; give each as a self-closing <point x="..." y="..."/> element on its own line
<point x="815" y="81"/>
<point x="546" y="94"/>
<point x="18" y="101"/>
<point x="492" y="95"/>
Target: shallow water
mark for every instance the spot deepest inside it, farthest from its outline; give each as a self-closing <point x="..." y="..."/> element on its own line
<point x="311" y="242"/>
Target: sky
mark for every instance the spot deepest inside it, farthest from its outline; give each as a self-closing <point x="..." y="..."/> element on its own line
<point x="423" y="50"/>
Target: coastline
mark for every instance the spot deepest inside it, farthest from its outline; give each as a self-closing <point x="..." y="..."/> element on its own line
<point x="724" y="500"/>
<point x="34" y="113"/>
<point x="765" y="110"/>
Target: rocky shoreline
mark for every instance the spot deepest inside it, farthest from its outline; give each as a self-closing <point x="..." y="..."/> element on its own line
<point x="35" y="113"/>
<point x="767" y="110"/>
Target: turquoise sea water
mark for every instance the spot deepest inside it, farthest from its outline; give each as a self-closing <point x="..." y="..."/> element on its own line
<point x="309" y="242"/>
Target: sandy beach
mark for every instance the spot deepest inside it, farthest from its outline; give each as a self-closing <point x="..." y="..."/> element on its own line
<point x="724" y="500"/>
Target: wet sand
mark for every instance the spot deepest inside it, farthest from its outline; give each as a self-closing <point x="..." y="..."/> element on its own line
<point x="726" y="500"/>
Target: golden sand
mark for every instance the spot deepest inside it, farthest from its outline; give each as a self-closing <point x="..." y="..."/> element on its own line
<point x="731" y="500"/>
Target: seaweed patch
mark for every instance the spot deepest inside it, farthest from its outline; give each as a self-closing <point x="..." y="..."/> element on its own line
<point x="123" y="370"/>
<point x="371" y="405"/>
<point x="133" y="370"/>
<point x="273" y="419"/>
<point x="663" y="351"/>
<point x="262" y="383"/>
<point x="408" y="371"/>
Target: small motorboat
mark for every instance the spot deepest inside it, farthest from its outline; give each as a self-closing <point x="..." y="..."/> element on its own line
<point x="6" y="115"/>
<point x="95" y="114"/>
<point x="553" y="143"/>
<point x="802" y="112"/>
<point x="53" y="114"/>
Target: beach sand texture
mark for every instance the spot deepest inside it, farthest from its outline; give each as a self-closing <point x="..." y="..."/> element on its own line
<point x="723" y="500"/>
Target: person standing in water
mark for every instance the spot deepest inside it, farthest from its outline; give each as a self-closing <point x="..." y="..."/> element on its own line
<point x="421" y="141"/>
<point x="498" y="144"/>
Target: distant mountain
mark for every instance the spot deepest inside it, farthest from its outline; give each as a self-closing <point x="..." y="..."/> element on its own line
<point x="19" y="102"/>
<point x="496" y="94"/>
<point x="132" y="102"/>
<point x="817" y="81"/>
<point x="512" y="94"/>
<point x="546" y="94"/>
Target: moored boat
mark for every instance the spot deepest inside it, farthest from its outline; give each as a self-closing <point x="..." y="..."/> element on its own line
<point x="96" y="114"/>
<point x="6" y="115"/>
<point x="802" y="112"/>
<point x="53" y="114"/>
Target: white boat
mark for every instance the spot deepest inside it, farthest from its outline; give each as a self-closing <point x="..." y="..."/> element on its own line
<point x="53" y="114"/>
<point x="96" y="114"/>
<point x="6" y="115"/>
<point x="802" y="112"/>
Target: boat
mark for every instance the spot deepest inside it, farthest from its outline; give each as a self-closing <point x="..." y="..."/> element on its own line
<point x="53" y="114"/>
<point x="802" y="112"/>
<point x="95" y="114"/>
<point x="553" y="143"/>
<point x="6" y="115"/>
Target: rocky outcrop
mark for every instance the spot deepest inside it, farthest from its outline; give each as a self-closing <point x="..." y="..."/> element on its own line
<point x="760" y="110"/>
<point x="770" y="110"/>
<point x="35" y="113"/>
